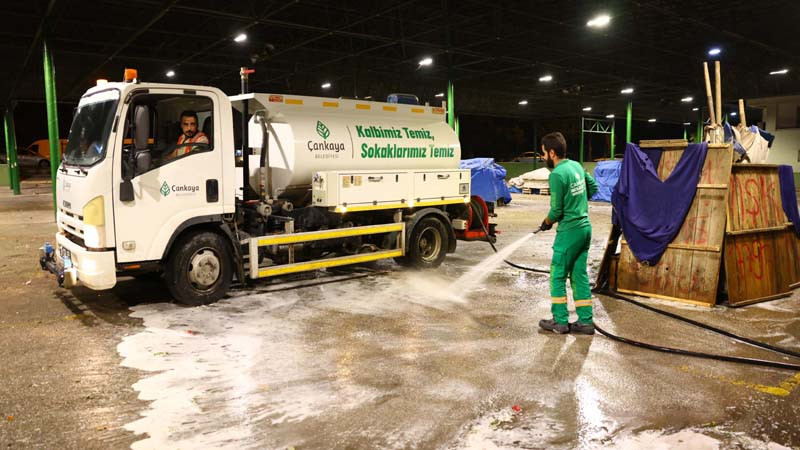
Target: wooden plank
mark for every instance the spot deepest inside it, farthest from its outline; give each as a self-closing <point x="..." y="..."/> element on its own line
<point x="657" y="143"/>
<point x="755" y="201"/>
<point x="753" y="267"/>
<point x="665" y="297"/>
<point x="763" y="299"/>
<point x="757" y="230"/>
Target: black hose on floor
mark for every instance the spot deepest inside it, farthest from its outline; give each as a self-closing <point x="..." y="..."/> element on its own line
<point x="678" y="351"/>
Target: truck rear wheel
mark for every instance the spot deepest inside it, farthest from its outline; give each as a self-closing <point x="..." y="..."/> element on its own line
<point x="200" y="269"/>
<point x="427" y="245"/>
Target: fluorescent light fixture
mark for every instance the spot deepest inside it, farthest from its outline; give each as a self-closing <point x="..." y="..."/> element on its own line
<point x="715" y="51"/>
<point x="240" y="38"/>
<point x="687" y="99"/>
<point x="587" y="108"/>
<point x="440" y="94"/>
<point x="426" y="61"/>
<point x="651" y="120"/>
<point x="687" y="123"/>
<point x="733" y="114"/>
<point x="626" y="91"/>
<point x="779" y="72"/>
<point x="610" y="116"/>
<point x="695" y="109"/>
<point x="170" y="73"/>
<point x="600" y="21"/>
<point x="325" y="85"/>
<point x="523" y="102"/>
<point x="545" y="78"/>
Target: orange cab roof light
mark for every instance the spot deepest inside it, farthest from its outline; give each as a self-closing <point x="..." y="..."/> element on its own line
<point x="131" y="75"/>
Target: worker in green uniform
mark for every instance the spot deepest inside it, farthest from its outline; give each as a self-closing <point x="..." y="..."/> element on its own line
<point x="570" y="189"/>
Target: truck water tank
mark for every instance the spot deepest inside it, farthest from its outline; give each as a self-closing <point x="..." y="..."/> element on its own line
<point x="314" y="134"/>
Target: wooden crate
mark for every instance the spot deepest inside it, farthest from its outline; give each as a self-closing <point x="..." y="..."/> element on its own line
<point x="536" y="191"/>
<point x="761" y="251"/>
<point x="689" y="269"/>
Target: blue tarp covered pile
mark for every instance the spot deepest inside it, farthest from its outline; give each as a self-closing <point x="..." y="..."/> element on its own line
<point x="488" y="179"/>
<point x="606" y="174"/>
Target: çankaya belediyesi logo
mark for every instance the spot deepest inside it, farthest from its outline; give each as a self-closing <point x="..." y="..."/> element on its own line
<point x="324" y="133"/>
<point x="182" y="189"/>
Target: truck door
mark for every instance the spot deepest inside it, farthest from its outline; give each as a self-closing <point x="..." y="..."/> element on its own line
<point x="182" y="183"/>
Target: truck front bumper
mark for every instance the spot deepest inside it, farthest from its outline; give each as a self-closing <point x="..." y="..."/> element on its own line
<point x="75" y="265"/>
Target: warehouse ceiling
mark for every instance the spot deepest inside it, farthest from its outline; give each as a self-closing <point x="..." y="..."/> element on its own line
<point x="494" y="51"/>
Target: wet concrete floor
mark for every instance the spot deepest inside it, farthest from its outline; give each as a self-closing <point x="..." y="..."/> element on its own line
<point x="374" y="358"/>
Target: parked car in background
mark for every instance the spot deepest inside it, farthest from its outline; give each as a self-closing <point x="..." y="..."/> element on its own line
<point x="37" y="154"/>
<point x="528" y="157"/>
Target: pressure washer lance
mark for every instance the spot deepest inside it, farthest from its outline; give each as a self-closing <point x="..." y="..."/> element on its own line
<point x="677" y="351"/>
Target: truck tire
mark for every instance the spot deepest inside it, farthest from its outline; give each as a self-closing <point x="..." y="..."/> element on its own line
<point x="427" y="245"/>
<point x="200" y="269"/>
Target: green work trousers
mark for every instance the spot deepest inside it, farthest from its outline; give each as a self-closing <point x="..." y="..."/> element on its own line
<point x="570" y="250"/>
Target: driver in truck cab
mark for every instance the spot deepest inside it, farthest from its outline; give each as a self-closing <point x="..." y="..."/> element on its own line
<point x="189" y="135"/>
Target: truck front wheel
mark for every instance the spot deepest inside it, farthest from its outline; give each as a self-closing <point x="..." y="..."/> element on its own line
<point x="427" y="245"/>
<point x="199" y="270"/>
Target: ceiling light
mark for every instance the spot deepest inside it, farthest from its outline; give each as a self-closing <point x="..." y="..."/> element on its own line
<point x="440" y="94"/>
<point x="626" y="91"/>
<point x="170" y="73"/>
<point x="523" y="102"/>
<point x="714" y="51"/>
<point x="240" y="38"/>
<point x="426" y="62"/>
<point x="779" y="72"/>
<point x="588" y="108"/>
<point x="610" y="116"/>
<point x="325" y="85"/>
<point x="733" y="114"/>
<point x="695" y="109"/>
<point x="600" y="21"/>
<point x="546" y="78"/>
<point x="651" y="120"/>
<point x="687" y="123"/>
<point x="687" y="99"/>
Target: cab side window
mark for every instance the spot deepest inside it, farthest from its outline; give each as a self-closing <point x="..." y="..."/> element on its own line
<point x="180" y="126"/>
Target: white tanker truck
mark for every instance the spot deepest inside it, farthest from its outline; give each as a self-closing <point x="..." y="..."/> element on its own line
<point x="335" y="182"/>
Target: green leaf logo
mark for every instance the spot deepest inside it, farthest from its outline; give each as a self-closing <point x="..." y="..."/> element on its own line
<point x="165" y="189"/>
<point x="322" y="130"/>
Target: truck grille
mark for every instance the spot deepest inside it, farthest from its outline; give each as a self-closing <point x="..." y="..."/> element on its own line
<point x="70" y="223"/>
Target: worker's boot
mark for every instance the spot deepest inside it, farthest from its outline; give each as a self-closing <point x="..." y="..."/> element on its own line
<point x="555" y="327"/>
<point x="579" y="327"/>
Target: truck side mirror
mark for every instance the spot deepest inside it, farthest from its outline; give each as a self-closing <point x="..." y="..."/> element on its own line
<point x="141" y="127"/>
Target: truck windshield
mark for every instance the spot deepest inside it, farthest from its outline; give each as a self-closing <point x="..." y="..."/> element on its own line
<point x="88" y="135"/>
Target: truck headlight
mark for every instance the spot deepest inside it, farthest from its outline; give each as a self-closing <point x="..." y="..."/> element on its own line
<point x="93" y="223"/>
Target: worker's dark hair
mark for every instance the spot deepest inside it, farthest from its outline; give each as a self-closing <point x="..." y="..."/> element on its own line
<point x="555" y="141"/>
<point x="189" y="113"/>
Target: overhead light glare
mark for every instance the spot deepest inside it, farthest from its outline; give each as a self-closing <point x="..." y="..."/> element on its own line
<point x="715" y="51"/>
<point x="600" y="21"/>
<point x="687" y="123"/>
<point x="545" y="78"/>
<point x="610" y="116"/>
<point x="779" y="72"/>
<point x="587" y="108"/>
<point x="687" y="99"/>
<point x="523" y="102"/>
<point x="733" y="114"/>
<point x="695" y="109"/>
<point x="626" y="91"/>
<point x="240" y="38"/>
<point x="440" y="94"/>
<point x="426" y="61"/>
<point x="325" y="85"/>
<point x="651" y="120"/>
<point x="170" y="73"/>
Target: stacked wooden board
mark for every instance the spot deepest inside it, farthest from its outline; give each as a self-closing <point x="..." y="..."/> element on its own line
<point x="736" y="223"/>
<point x="689" y="269"/>
<point x="761" y="250"/>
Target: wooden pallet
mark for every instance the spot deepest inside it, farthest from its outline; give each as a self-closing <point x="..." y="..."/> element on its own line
<point x="536" y="191"/>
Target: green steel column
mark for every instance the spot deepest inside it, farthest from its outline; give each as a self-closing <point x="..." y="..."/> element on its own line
<point x="629" y="121"/>
<point x="451" y="110"/>
<point x="581" y="145"/>
<point x="684" y="133"/>
<point x="458" y="133"/>
<point x="11" y="151"/>
<point x="699" y="137"/>
<point x="613" y="128"/>
<point x="52" y="119"/>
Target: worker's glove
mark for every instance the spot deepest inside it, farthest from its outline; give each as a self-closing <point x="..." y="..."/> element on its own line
<point x="545" y="226"/>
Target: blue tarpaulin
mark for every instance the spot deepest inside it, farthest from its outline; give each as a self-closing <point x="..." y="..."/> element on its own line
<point x="650" y="211"/>
<point x="488" y="179"/>
<point x="606" y="174"/>
<point x="789" y="195"/>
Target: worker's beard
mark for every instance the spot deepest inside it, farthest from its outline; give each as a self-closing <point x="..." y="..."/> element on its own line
<point x="189" y="134"/>
<point x="550" y="163"/>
